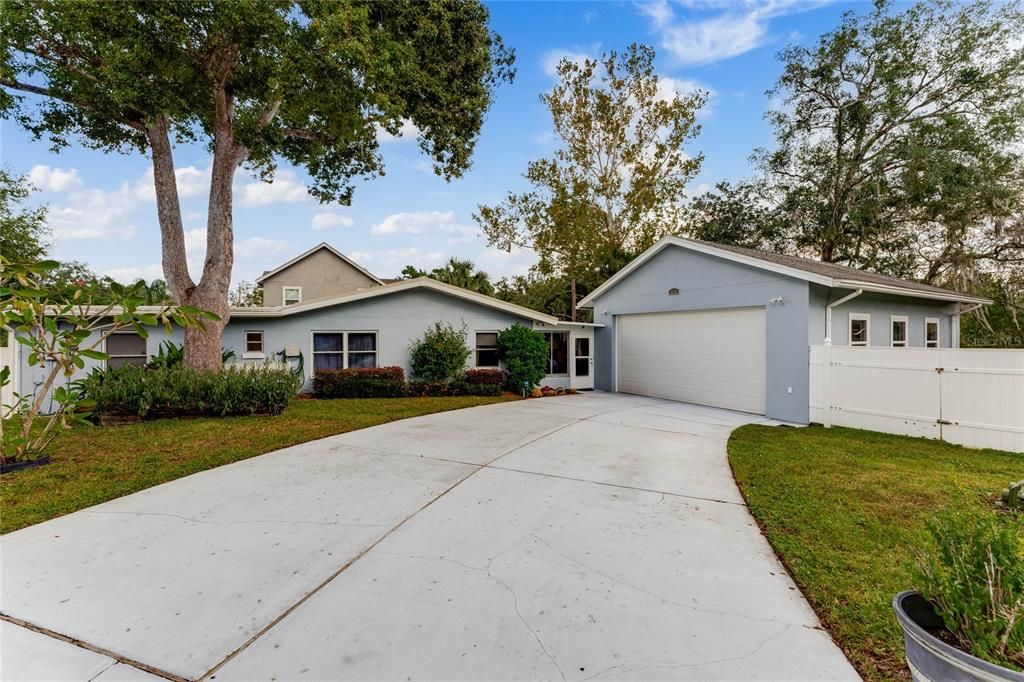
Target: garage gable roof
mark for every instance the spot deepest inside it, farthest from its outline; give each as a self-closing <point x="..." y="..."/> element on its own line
<point x="826" y="274"/>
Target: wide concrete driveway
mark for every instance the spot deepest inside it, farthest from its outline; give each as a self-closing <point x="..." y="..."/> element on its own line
<point x="587" y="537"/>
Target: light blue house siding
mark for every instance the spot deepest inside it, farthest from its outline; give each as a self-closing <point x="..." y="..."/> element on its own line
<point x="880" y="307"/>
<point x="397" y="319"/>
<point x="794" y="316"/>
<point x="704" y="283"/>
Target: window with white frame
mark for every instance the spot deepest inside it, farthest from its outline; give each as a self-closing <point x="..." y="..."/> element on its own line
<point x="341" y="350"/>
<point x="860" y="329"/>
<point x="125" y="348"/>
<point x="931" y="332"/>
<point x="253" y="344"/>
<point x="291" y="295"/>
<point x="487" y="349"/>
<point x="898" y="331"/>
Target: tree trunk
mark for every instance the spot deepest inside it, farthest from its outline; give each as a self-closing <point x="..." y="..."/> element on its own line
<point x="202" y="344"/>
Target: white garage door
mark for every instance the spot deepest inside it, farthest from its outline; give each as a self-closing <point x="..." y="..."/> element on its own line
<point x="709" y="357"/>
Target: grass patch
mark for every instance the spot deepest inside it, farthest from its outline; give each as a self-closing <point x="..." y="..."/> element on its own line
<point x="845" y="510"/>
<point x="93" y="465"/>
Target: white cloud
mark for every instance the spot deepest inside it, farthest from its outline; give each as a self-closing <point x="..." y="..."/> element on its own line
<point x="669" y="87"/>
<point x="127" y="275"/>
<point x="552" y="58"/>
<point x="424" y="222"/>
<point x="715" y="39"/>
<point x="738" y="28"/>
<point x="252" y="255"/>
<point x="49" y="179"/>
<point x="286" y="188"/>
<point x="94" y="214"/>
<point x="389" y="263"/>
<point x="498" y="263"/>
<point x="407" y="131"/>
<point x="191" y="181"/>
<point x="329" y="221"/>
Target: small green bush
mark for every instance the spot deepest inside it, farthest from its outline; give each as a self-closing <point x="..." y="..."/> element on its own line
<point x="441" y="354"/>
<point x="973" y="573"/>
<point x="525" y="353"/>
<point x="363" y="382"/>
<point x="181" y="390"/>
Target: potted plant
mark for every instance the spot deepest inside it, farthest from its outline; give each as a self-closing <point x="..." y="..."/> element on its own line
<point x="966" y="619"/>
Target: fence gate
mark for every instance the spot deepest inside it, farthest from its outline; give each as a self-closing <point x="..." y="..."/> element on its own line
<point x="973" y="397"/>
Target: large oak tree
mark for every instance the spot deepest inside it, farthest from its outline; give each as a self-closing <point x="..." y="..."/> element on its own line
<point x="311" y="83"/>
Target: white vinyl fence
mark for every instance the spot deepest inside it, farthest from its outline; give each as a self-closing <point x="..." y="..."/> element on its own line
<point x="972" y="397"/>
<point x="8" y="358"/>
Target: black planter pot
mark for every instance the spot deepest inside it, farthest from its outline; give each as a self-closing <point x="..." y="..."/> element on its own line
<point x="932" y="660"/>
<point x="27" y="464"/>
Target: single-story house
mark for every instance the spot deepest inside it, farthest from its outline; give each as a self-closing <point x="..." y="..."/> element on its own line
<point x="322" y="310"/>
<point x="686" y="320"/>
<point x="732" y="327"/>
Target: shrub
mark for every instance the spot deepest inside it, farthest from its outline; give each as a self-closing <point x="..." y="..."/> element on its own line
<point x="484" y="377"/>
<point x="441" y="354"/>
<point x="973" y="574"/>
<point x="181" y="390"/>
<point x="526" y="356"/>
<point x="364" y="382"/>
<point x="436" y="389"/>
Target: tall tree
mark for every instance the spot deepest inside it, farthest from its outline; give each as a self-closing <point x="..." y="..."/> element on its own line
<point x="615" y="182"/>
<point x="23" y="231"/>
<point x="742" y="214"/>
<point x="897" y="122"/>
<point x="259" y="81"/>
<point x="457" y="272"/>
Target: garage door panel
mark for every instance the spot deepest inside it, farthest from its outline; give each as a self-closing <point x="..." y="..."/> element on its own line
<point x="709" y="357"/>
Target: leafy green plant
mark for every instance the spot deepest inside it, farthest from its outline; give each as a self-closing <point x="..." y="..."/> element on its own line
<point x="182" y="390"/>
<point x="525" y="353"/>
<point x="973" y="573"/>
<point x="495" y="377"/>
<point x="170" y="354"/>
<point x="441" y="354"/>
<point x="61" y="329"/>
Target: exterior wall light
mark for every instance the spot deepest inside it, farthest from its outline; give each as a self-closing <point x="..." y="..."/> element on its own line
<point x="673" y="291"/>
<point x="778" y="300"/>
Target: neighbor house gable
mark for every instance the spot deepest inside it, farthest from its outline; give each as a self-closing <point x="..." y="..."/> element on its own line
<point x="320" y="273"/>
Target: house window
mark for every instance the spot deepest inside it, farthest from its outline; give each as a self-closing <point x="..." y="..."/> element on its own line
<point x="931" y="332"/>
<point x="125" y="348"/>
<point x="898" y="335"/>
<point x="487" y="349"/>
<point x="291" y="295"/>
<point x="340" y="350"/>
<point x="860" y="329"/>
<point x="558" y="352"/>
<point x="253" y="344"/>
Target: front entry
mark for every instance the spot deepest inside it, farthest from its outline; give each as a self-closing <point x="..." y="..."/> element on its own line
<point x="583" y="362"/>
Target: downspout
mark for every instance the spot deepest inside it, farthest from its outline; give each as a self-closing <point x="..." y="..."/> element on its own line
<point x="828" y="354"/>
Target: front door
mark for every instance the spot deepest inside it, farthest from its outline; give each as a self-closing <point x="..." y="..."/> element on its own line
<point x="583" y="362"/>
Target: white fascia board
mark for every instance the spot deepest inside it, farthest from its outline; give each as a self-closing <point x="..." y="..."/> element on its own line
<point x="952" y="296"/>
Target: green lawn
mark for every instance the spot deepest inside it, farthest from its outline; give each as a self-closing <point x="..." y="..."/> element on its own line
<point x="92" y="465"/>
<point x="845" y="510"/>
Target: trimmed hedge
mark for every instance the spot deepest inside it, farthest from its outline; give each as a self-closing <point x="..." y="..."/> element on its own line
<point x="184" y="391"/>
<point x="484" y="377"/>
<point x="434" y="389"/>
<point x="363" y="382"/>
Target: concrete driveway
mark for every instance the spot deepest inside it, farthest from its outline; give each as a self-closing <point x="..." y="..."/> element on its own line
<point x="587" y="537"/>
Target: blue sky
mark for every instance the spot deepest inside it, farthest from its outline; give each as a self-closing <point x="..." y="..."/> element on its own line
<point x="102" y="210"/>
